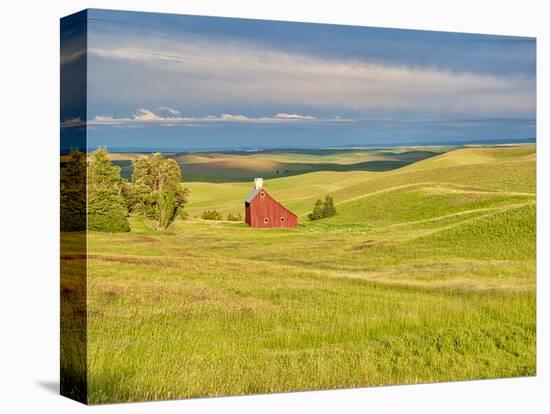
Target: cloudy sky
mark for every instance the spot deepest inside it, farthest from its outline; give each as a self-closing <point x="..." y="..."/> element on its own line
<point x="188" y="82"/>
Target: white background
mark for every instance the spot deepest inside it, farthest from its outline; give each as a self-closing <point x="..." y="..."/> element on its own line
<point x="29" y="139"/>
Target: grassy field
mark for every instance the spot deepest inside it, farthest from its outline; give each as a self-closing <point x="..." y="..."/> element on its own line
<point x="427" y="273"/>
<point x="243" y="166"/>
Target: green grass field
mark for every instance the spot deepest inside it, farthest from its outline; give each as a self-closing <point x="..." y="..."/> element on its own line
<point x="427" y="273"/>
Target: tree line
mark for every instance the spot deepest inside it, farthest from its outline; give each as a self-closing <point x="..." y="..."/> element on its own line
<point x="155" y="191"/>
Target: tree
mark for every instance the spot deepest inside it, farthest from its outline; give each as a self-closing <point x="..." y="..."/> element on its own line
<point x="107" y="210"/>
<point x="323" y="209"/>
<point x="317" y="211"/>
<point x="329" y="209"/>
<point x="73" y="192"/>
<point x="156" y="189"/>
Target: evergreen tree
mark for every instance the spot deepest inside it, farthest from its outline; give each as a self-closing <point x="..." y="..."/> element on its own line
<point x="329" y="209"/>
<point x="156" y="189"/>
<point x="323" y="209"/>
<point x="73" y="192"/>
<point x="318" y="211"/>
<point x="107" y="210"/>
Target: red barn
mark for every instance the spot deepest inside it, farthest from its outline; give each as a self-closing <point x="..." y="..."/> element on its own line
<point x="261" y="210"/>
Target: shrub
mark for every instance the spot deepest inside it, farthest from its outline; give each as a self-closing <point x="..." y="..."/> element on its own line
<point x="211" y="215"/>
<point x="232" y="217"/>
<point x="110" y="223"/>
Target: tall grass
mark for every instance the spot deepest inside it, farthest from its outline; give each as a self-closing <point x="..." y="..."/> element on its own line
<point x="422" y="283"/>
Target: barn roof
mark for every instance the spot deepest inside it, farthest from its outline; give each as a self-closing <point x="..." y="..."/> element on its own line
<point x="252" y="195"/>
<point x="255" y="192"/>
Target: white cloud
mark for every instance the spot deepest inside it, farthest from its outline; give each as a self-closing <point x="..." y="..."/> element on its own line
<point x="100" y="118"/>
<point x="170" y="110"/>
<point x="144" y="116"/>
<point x="108" y="120"/>
<point x="147" y="116"/>
<point x="236" y="73"/>
<point x="229" y="117"/>
<point x="293" y="116"/>
<point x="141" y="116"/>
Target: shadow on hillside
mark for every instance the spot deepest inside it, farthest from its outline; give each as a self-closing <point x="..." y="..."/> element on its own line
<point x="219" y="172"/>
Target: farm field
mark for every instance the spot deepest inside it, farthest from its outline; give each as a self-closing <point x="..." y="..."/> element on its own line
<point x="243" y="166"/>
<point x="427" y="273"/>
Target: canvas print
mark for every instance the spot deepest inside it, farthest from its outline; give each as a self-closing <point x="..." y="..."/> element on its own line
<point x="255" y="206"/>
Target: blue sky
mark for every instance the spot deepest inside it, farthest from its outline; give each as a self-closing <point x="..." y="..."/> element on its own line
<point x="190" y="82"/>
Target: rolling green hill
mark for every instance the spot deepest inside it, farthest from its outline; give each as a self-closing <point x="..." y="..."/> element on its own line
<point x="427" y="273"/>
<point x="233" y="166"/>
<point x="508" y="169"/>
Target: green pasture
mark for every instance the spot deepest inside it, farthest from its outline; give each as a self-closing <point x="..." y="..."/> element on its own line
<point x="427" y="273"/>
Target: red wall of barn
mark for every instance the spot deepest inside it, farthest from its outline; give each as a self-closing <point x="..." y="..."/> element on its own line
<point x="266" y="207"/>
<point x="247" y="213"/>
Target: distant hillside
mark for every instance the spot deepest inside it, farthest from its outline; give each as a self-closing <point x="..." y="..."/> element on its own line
<point x="477" y="176"/>
<point x="231" y="166"/>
